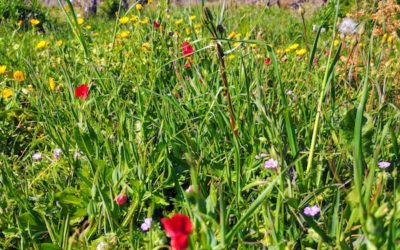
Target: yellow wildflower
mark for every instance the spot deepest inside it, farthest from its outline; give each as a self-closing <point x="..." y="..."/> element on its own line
<point x="192" y="18"/>
<point x="42" y="44"/>
<point x="360" y="45"/>
<point x="88" y="27"/>
<point x="231" y="57"/>
<point x="52" y="83"/>
<point x="7" y="93"/>
<point x="390" y="39"/>
<point x="187" y="30"/>
<point x="19" y="76"/>
<point x="3" y="69"/>
<point x="34" y="22"/>
<point x="80" y="20"/>
<point x="27" y="90"/>
<point x="197" y="26"/>
<point x="231" y="35"/>
<point x="149" y="1"/>
<point x="124" y="34"/>
<point x="179" y="21"/>
<point x="139" y="7"/>
<point x="301" y="52"/>
<point x="145" y="21"/>
<point x="124" y="20"/>
<point x="234" y="35"/>
<point x="236" y="44"/>
<point x="384" y="37"/>
<point x="59" y="43"/>
<point x="134" y="19"/>
<point x="292" y="47"/>
<point x="336" y="43"/>
<point x="253" y="45"/>
<point x="146" y="46"/>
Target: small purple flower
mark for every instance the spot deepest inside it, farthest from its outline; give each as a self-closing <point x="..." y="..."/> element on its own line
<point x="271" y="163"/>
<point x="57" y="153"/>
<point x="37" y="156"/>
<point x="384" y="164"/>
<point x="146" y="224"/>
<point x="311" y="211"/>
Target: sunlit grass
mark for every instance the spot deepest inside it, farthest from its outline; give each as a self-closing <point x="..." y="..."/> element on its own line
<point x="263" y="138"/>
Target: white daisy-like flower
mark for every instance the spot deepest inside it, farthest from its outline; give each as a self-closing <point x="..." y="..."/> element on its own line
<point x="315" y="29"/>
<point x="102" y="246"/>
<point x="37" y="156"/>
<point x="348" y="26"/>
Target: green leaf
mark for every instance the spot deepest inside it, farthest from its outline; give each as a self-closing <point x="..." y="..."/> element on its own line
<point x="48" y="246"/>
<point x="84" y="142"/>
<point x="11" y="231"/>
<point x="318" y="230"/>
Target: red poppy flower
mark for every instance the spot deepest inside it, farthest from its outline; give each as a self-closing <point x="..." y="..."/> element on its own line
<point x="178" y="228"/>
<point x="121" y="199"/>
<point x="156" y="24"/>
<point x="82" y="91"/>
<point x="187" y="49"/>
<point x="326" y="52"/>
<point x="267" y="61"/>
<point x="187" y="65"/>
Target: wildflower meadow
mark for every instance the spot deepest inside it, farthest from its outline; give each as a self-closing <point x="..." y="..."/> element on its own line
<point x="209" y="125"/>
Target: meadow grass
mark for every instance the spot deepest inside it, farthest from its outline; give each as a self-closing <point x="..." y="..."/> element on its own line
<point x="311" y="129"/>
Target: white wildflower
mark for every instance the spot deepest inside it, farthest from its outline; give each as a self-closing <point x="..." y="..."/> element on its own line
<point x="102" y="246"/>
<point x="37" y="156"/>
<point x="348" y="26"/>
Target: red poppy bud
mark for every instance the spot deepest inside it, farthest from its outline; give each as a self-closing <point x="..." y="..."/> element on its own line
<point x="82" y="91"/>
<point x="121" y="199"/>
<point x="187" y="49"/>
<point x="180" y="242"/>
<point x="267" y="61"/>
<point x="156" y="24"/>
<point x="178" y="228"/>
